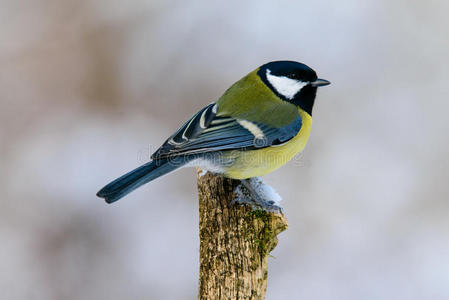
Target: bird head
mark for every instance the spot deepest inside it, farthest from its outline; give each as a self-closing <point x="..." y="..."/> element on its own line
<point x="293" y="82"/>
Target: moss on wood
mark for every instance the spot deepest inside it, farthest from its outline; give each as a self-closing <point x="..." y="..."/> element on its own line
<point x="234" y="242"/>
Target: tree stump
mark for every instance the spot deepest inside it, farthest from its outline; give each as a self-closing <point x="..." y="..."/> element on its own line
<point x="235" y="242"/>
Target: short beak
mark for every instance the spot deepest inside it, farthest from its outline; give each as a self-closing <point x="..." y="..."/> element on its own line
<point x="320" y="82"/>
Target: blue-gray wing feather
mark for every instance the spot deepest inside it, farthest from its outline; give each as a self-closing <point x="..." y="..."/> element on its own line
<point x="207" y="132"/>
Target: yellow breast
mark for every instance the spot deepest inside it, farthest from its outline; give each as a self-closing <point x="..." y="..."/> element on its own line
<point x="262" y="161"/>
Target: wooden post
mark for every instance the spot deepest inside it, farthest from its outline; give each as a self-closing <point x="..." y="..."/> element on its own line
<point x="234" y="242"/>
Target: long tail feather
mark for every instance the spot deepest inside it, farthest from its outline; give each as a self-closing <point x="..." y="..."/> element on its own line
<point x="136" y="178"/>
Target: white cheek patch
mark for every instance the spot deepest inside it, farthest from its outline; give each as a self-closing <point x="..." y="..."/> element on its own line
<point x="285" y="86"/>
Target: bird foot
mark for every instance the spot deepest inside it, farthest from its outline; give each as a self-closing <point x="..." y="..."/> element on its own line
<point x="258" y="195"/>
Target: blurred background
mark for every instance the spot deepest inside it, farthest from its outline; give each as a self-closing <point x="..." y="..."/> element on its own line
<point x="89" y="89"/>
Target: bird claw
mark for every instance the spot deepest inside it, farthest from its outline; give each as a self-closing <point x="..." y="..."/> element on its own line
<point x="241" y="200"/>
<point x="246" y="195"/>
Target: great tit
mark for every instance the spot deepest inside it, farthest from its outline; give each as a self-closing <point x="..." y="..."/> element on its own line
<point x="255" y="127"/>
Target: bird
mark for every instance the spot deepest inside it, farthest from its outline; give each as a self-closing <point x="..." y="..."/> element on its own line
<point x="260" y="123"/>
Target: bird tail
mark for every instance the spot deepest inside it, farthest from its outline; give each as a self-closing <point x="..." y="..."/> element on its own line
<point x="138" y="177"/>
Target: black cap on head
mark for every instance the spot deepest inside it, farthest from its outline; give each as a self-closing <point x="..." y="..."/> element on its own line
<point x="292" y="81"/>
<point x="290" y="69"/>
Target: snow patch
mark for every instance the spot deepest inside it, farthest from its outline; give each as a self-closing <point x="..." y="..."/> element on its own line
<point x="202" y="172"/>
<point x="265" y="191"/>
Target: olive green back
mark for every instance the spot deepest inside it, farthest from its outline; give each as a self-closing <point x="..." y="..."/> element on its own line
<point x="250" y="99"/>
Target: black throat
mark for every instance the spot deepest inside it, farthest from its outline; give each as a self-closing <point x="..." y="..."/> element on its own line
<point x="305" y="98"/>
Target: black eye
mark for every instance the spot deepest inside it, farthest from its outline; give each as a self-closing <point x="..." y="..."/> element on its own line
<point x="291" y="76"/>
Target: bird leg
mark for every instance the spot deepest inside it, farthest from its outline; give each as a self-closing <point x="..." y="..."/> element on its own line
<point x="253" y="195"/>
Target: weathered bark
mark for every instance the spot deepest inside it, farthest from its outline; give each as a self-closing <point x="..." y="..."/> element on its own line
<point x="234" y="242"/>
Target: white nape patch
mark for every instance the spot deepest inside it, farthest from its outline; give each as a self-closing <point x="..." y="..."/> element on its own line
<point x="253" y="128"/>
<point x="285" y="86"/>
<point x="205" y="165"/>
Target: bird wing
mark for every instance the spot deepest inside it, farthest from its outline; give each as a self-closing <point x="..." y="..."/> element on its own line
<point x="208" y="132"/>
